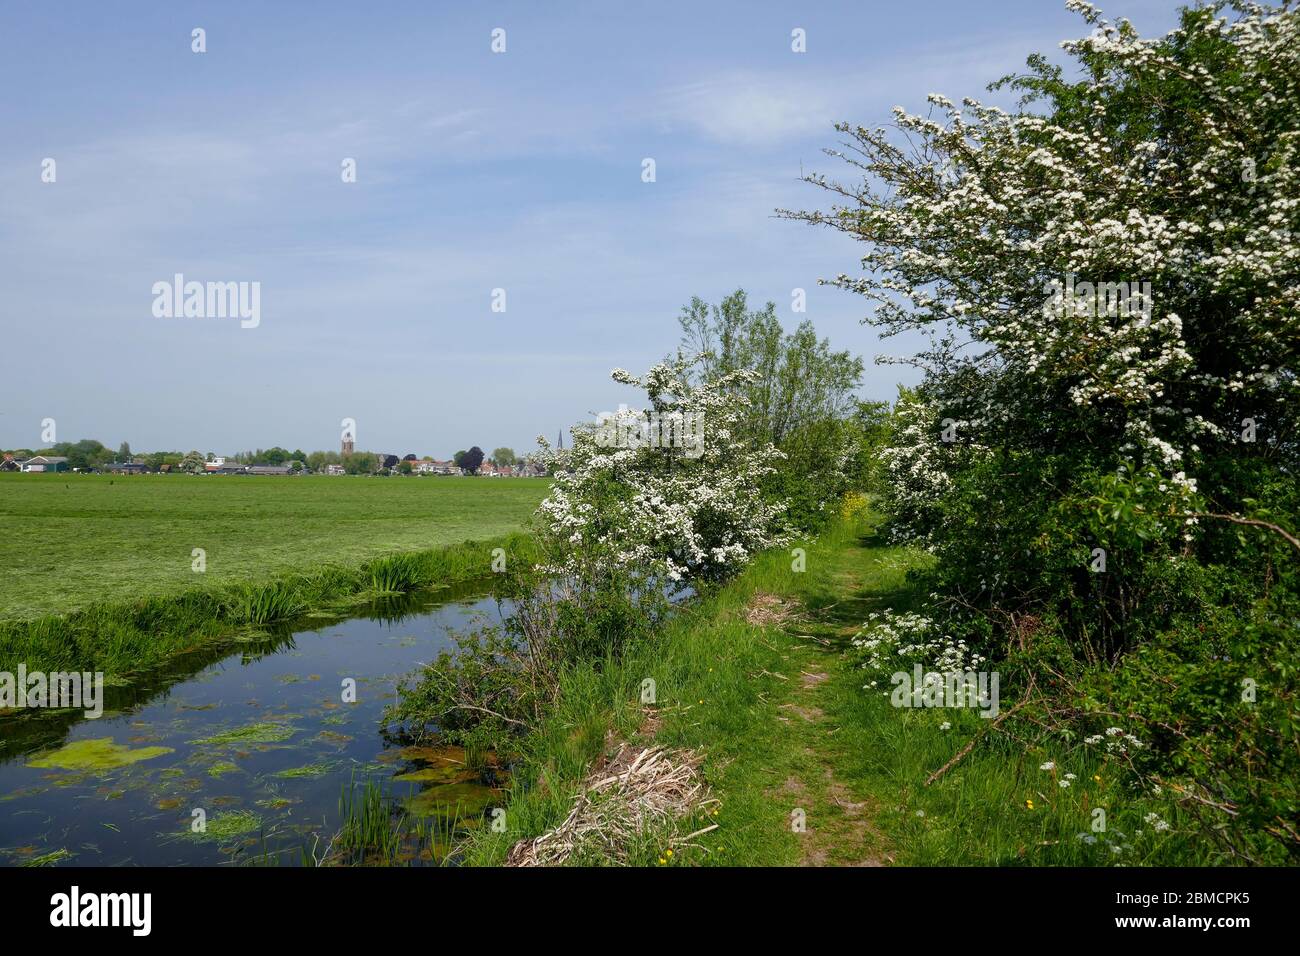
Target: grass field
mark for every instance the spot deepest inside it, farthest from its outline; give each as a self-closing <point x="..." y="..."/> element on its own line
<point x="68" y="540"/>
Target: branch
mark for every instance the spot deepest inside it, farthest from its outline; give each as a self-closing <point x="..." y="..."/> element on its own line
<point x="508" y="720"/>
<point x="974" y="740"/>
<point x="1237" y="519"/>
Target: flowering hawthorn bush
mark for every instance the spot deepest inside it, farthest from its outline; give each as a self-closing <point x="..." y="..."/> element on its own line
<point x="1122" y="533"/>
<point x="655" y="511"/>
<point x="989" y="209"/>
<point x="918" y="469"/>
<point x="644" y="504"/>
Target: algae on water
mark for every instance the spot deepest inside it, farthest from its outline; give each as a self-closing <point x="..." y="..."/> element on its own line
<point x="99" y="753"/>
<point x="262" y="733"/>
<point x="229" y="826"/>
<point x="310" y="770"/>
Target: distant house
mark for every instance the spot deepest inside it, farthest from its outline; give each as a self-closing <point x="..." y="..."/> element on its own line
<point x="127" y="467"/>
<point x="45" y="463"/>
<point x="335" y="470"/>
<point x="226" y="468"/>
<point x="270" y="470"/>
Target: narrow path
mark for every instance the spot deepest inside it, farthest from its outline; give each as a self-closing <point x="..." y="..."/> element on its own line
<point x="838" y="817"/>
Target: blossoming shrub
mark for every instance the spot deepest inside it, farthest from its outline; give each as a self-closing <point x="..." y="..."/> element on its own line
<point x="1114" y="528"/>
<point x="631" y="522"/>
<point x="671" y="514"/>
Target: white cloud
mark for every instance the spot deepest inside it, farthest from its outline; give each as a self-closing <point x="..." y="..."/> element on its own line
<point x="748" y="108"/>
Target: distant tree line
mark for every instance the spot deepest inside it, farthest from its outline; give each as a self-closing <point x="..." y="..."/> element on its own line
<point x="90" y="455"/>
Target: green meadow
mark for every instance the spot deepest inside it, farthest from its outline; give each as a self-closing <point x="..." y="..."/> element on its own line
<point x="68" y="540"/>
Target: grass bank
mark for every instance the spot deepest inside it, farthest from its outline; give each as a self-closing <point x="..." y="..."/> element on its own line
<point x="121" y="638"/>
<point x="812" y="768"/>
<point x="68" y="541"/>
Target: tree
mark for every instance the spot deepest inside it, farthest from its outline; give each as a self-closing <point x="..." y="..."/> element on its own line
<point x="800" y="394"/>
<point x="317" y="460"/>
<point x="458" y="459"/>
<point x="473" y="460"/>
<point x="124" y="452"/>
<point x="798" y="378"/>
<point x="193" y="463"/>
<point x="361" y="463"/>
<point x="83" y="454"/>
<point x="504" y="457"/>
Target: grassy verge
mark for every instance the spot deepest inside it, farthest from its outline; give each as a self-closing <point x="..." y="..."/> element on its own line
<point x="811" y="767"/>
<point x="122" y="638"/>
<point x="719" y="681"/>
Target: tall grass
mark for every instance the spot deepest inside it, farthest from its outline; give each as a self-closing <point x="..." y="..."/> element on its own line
<point x="376" y="832"/>
<point x="269" y="604"/>
<point x="394" y="574"/>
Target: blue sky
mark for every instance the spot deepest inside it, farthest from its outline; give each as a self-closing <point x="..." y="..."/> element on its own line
<point x="476" y="171"/>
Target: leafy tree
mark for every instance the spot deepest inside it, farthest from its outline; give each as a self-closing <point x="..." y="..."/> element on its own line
<point x="361" y="463"/>
<point x="473" y="460"/>
<point x="83" y="454"/>
<point x="800" y="394"/>
<point x="504" y="457"/>
<point x="124" y="452"/>
<point x="799" y="378"/>
<point x="194" y="463"/>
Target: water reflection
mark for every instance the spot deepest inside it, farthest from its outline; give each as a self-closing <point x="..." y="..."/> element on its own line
<point x="256" y="736"/>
